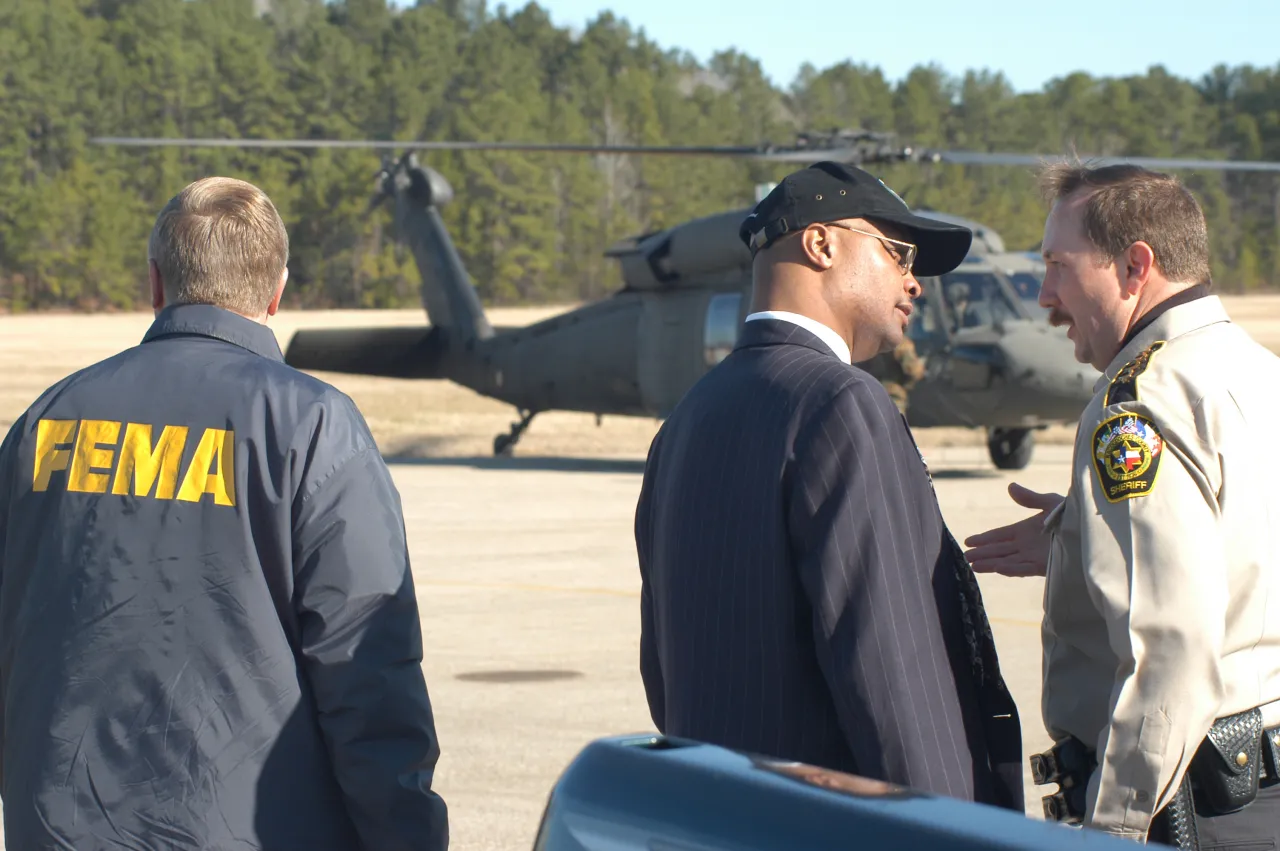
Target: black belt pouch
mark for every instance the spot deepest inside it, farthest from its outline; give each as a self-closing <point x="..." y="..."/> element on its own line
<point x="1225" y="767"/>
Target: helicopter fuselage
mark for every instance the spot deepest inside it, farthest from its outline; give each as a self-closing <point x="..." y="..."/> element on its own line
<point x="991" y="360"/>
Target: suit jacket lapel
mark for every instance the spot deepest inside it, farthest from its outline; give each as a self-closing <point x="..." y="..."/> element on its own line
<point x="776" y="332"/>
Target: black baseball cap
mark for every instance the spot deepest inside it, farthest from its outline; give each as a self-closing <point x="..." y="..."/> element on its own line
<point x="830" y="191"/>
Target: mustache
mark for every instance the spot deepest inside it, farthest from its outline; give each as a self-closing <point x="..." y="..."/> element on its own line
<point x="1058" y="317"/>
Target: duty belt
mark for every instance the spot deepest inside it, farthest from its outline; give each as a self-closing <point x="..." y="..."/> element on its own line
<point x="1239" y="752"/>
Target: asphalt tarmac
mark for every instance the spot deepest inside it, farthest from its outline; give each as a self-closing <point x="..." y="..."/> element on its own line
<point x="525" y="567"/>
<point x="527" y="579"/>
<point x="526" y="575"/>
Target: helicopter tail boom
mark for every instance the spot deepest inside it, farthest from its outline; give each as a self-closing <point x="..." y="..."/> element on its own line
<point x="414" y="352"/>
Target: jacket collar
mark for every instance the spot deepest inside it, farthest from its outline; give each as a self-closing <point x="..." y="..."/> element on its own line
<point x="777" y="332"/>
<point x="1170" y="323"/>
<point x="1189" y="294"/>
<point x="824" y="333"/>
<point x="206" y="320"/>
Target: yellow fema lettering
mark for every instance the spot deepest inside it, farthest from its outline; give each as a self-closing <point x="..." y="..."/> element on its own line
<point x="90" y="451"/>
<point x="144" y="464"/>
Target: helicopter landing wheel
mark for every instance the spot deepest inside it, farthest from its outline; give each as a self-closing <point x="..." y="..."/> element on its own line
<point x="503" y="444"/>
<point x="1011" y="448"/>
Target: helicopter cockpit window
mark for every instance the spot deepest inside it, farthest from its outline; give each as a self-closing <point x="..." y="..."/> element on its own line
<point x="975" y="299"/>
<point x="924" y="320"/>
<point x="721" y="331"/>
<point x="1026" y="284"/>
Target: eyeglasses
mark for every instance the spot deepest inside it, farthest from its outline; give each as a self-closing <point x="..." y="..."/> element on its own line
<point x="904" y="255"/>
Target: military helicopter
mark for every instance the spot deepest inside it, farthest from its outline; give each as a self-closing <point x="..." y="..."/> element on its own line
<point x="993" y="362"/>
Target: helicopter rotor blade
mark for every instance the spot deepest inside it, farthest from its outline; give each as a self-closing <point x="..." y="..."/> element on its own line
<point x="856" y="155"/>
<point x="550" y="147"/>
<point x="866" y="148"/>
<point x="980" y="158"/>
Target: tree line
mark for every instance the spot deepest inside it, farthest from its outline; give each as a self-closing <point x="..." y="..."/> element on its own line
<point x="74" y="216"/>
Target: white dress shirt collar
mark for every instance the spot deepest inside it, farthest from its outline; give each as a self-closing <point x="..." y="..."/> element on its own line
<point x="831" y="338"/>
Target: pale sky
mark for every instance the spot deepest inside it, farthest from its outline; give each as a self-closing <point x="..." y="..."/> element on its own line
<point x="1030" y="42"/>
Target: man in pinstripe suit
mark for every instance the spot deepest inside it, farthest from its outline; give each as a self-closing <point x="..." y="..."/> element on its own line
<point x="802" y="597"/>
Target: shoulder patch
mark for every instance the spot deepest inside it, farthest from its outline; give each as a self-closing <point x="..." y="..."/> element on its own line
<point x="1124" y="387"/>
<point x="1126" y="455"/>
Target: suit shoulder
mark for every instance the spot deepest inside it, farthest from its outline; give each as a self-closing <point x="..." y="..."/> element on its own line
<point x="860" y="387"/>
<point x="853" y="393"/>
<point x="819" y="372"/>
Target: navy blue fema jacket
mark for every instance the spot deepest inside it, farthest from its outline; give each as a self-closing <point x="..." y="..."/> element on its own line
<point x="208" y="631"/>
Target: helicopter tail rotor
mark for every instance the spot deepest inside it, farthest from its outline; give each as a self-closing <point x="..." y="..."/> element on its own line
<point x="384" y="187"/>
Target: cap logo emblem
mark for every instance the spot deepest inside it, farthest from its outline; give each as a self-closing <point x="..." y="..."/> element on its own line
<point x="891" y="192"/>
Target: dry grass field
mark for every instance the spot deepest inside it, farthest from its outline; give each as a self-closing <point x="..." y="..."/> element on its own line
<point x="413" y="418"/>
<point x="417" y="418"/>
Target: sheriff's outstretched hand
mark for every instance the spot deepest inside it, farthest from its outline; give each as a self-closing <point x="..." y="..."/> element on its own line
<point x="1019" y="549"/>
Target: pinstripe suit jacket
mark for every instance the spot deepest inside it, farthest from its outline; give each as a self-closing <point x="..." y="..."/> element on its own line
<point x="802" y="597"/>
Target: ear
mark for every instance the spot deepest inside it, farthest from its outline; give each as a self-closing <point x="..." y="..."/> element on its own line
<point x="275" y="300"/>
<point x="1139" y="264"/>
<point x="157" y="285"/>
<point x="817" y="246"/>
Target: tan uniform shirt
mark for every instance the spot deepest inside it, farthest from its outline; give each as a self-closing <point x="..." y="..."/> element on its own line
<point x="1162" y="600"/>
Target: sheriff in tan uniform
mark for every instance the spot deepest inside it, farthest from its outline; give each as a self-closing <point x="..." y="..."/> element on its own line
<point x="1162" y="596"/>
